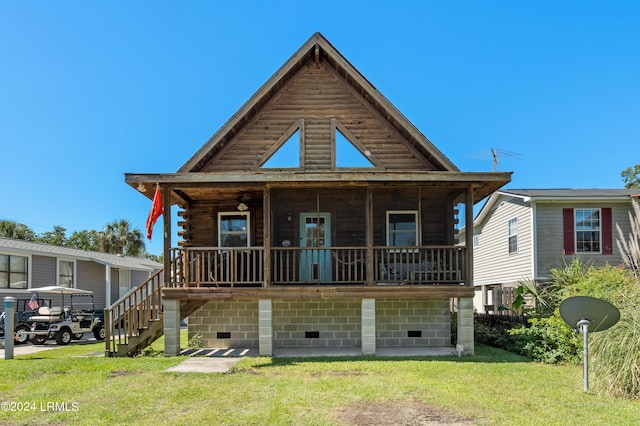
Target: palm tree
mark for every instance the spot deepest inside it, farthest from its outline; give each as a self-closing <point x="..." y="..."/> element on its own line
<point x="15" y="230"/>
<point x="119" y="238"/>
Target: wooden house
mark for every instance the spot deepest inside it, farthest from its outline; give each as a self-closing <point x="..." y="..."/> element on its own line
<point x="530" y="231"/>
<point x="318" y="216"/>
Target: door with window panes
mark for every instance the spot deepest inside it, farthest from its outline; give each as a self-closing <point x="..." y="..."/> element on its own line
<point x="315" y="237"/>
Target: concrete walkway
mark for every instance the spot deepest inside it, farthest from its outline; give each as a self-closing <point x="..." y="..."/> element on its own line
<point x="212" y="360"/>
<point x="28" y="348"/>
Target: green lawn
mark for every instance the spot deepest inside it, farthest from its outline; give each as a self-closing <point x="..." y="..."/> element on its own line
<point x="494" y="387"/>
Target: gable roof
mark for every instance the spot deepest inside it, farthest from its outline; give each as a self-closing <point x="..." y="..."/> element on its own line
<point x="112" y="260"/>
<point x="557" y="194"/>
<point x="315" y="49"/>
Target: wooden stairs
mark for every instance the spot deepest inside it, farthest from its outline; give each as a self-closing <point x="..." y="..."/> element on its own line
<point x="136" y="320"/>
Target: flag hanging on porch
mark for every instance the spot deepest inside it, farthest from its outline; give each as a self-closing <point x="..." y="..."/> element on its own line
<point x="156" y="211"/>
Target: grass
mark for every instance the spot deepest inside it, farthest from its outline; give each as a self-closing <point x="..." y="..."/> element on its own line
<point x="494" y="387"/>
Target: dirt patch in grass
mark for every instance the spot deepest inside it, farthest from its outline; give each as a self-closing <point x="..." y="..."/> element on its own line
<point x="402" y="413"/>
<point x="120" y="373"/>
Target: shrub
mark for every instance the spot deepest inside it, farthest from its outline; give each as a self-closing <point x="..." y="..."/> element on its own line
<point x="492" y="329"/>
<point x="615" y="356"/>
<point x="549" y="340"/>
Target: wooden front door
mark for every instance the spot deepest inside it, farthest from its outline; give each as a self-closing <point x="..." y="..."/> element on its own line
<point x="315" y="236"/>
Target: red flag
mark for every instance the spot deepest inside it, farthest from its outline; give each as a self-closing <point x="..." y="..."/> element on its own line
<point x="156" y="211"/>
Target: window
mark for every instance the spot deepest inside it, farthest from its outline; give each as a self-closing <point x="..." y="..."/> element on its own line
<point x="587" y="230"/>
<point x="65" y="273"/>
<point x="513" y="235"/>
<point x="233" y="229"/>
<point x="402" y="228"/>
<point x="13" y="271"/>
<point x="476" y="240"/>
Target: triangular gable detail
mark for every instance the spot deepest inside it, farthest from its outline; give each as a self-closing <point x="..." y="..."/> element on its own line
<point x="288" y="152"/>
<point x="317" y="49"/>
<point x="348" y="151"/>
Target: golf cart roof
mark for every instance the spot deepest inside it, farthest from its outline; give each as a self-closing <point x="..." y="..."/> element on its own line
<point x="60" y="290"/>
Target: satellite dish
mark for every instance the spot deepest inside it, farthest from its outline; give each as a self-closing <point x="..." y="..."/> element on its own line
<point x="588" y="314"/>
<point x="600" y="313"/>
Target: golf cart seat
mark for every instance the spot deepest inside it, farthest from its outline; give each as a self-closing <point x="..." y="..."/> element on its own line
<point x="48" y="314"/>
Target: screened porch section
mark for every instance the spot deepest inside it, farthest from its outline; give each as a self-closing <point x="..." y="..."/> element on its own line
<point x="322" y="236"/>
<point x="245" y="267"/>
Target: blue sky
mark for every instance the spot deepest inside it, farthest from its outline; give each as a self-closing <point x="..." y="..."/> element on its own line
<point x="92" y="90"/>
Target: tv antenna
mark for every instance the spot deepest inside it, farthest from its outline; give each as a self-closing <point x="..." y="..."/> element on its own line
<point x="494" y="154"/>
<point x="582" y="313"/>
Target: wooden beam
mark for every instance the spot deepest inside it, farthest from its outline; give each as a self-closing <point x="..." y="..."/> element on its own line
<point x="468" y="224"/>
<point x="315" y="292"/>
<point x="166" y="220"/>
<point x="266" y="223"/>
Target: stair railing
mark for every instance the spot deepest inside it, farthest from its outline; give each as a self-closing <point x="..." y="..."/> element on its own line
<point x="132" y="313"/>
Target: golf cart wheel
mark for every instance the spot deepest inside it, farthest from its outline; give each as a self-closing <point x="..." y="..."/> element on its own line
<point x="63" y="337"/>
<point x="22" y="334"/>
<point x="78" y="336"/>
<point x="99" y="333"/>
<point x="38" y="339"/>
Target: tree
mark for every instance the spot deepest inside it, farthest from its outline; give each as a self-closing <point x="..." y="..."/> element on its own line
<point x="631" y="176"/>
<point x="119" y="238"/>
<point x="85" y="240"/>
<point x="57" y="237"/>
<point x="15" y="230"/>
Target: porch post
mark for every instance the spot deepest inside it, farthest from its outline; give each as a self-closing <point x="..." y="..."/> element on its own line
<point x="166" y="219"/>
<point x="468" y="225"/>
<point x="265" y="327"/>
<point x="465" y="305"/>
<point x="368" y="316"/>
<point x="266" y="226"/>
<point x="465" y="325"/>
<point x="369" y="236"/>
<point x="171" y="327"/>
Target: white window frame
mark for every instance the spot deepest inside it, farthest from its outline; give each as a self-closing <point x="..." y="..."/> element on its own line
<point x="512" y="232"/>
<point x="388" y="230"/>
<point x="476" y="240"/>
<point x="73" y="271"/>
<point x="247" y="216"/>
<point x="598" y="230"/>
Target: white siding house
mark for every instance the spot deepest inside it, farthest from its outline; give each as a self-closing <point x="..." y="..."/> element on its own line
<point x="521" y="234"/>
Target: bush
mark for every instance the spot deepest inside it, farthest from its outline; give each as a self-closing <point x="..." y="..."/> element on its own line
<point x="549" y="340"/>
<point x="615" y="356"/>
<point x="492" y="329"/>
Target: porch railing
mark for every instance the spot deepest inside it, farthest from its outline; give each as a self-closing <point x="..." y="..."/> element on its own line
<point x="214" y="266"/>
<point x="133" y="312"/>
<point x="244" y="267"/>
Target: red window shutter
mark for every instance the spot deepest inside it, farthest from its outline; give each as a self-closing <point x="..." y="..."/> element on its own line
<point x="567" y="231"/>
<point x="607" y="231"/>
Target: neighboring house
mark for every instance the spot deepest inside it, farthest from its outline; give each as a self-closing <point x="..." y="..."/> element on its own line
<point x="521" y="234"/>
<point x="317" y="216"/>
<point x="27" y="265"/>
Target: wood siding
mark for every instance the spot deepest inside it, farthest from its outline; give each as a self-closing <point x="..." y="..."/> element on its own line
<point x="347" y="207"/>
<point x="316" y="95"/>
<point x="492" y="262"/>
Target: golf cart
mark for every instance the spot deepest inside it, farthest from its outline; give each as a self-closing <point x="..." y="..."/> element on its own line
<point x="25" y="309"/>
<point x="67" y="322"/>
